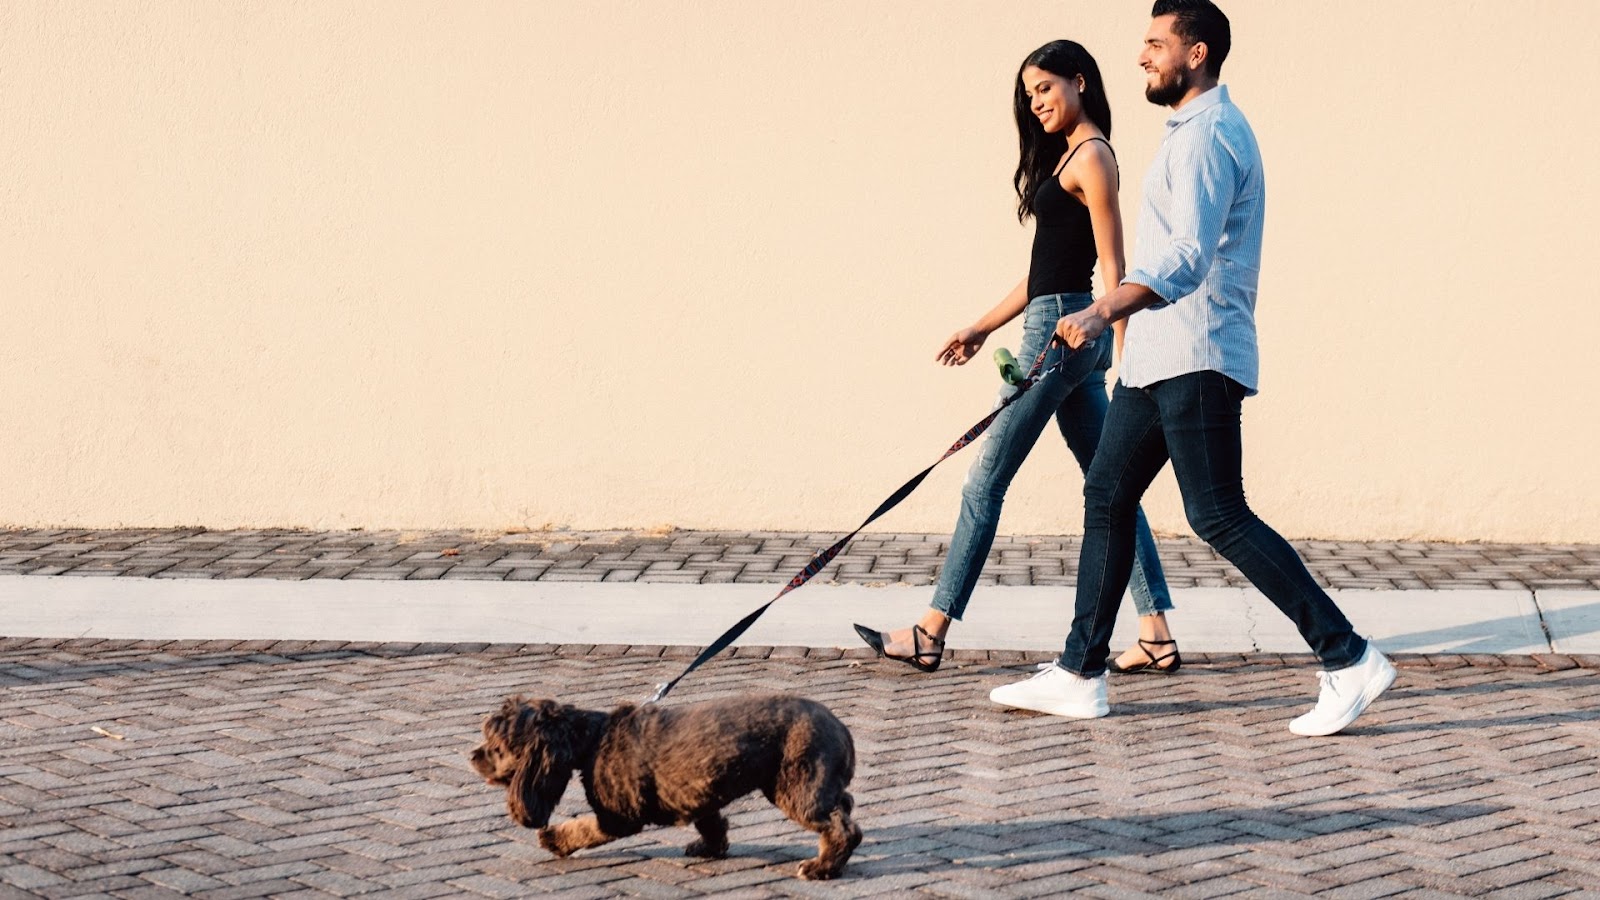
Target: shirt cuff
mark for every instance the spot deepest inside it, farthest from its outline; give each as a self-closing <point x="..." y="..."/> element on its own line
<point x="1163" y="288"/>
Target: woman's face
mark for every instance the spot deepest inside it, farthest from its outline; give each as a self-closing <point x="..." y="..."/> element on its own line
<point x="1053" y="99"/>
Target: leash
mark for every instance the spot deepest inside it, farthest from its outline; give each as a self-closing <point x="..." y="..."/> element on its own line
<point x="1009" y="369"/>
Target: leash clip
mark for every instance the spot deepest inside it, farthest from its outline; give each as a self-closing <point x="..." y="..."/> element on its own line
<point x="661" y="691"/>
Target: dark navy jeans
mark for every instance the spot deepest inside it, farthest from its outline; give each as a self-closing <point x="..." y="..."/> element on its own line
<point x="1193" y="420"/>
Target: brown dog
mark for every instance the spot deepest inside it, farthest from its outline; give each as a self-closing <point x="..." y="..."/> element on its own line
<point x="658" y="765"/>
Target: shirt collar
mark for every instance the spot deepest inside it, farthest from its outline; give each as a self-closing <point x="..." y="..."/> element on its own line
<point x="1214" y="97"/>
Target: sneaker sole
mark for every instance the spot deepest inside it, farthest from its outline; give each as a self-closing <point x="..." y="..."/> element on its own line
<point x="1373" y="690"/>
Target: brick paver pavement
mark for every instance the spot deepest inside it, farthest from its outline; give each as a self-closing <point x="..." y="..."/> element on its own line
<point x="765" y="557"/>
<point x="315" y="770"/>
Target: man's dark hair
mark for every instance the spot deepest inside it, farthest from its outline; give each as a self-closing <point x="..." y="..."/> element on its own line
<point x="1199" y="22"/>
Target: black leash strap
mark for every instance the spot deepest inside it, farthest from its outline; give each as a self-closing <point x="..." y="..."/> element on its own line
<point x="820" y="560"/>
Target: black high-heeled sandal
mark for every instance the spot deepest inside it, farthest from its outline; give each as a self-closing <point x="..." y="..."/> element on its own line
<point x="874" y="640"/>
<point x="1152" y="664"/>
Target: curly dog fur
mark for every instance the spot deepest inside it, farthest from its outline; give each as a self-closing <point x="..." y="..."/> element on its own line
<point x="656" y="765"/>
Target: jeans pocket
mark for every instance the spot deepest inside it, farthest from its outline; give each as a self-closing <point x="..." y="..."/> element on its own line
<point x="1035" y="337"/>
<point x="1108" y="343"/>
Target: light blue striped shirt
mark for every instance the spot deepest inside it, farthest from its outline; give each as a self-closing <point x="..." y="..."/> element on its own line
<point x="1198" y="245"/>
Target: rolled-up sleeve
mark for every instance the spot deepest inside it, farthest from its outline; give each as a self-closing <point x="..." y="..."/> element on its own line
<point x="1205" y="178"/>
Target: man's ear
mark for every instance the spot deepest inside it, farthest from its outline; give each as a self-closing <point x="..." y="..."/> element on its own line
<point x="1199" y="52"/>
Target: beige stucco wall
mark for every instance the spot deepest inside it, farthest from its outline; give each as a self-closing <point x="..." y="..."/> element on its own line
<point x="612" y="264"/>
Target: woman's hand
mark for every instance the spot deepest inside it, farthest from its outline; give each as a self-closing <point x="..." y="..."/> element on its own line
<point x="962" y="346"/>
<point x="1082" y="327"/>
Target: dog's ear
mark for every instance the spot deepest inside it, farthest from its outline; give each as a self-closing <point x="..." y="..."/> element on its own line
<point x="544" y="736"/>
<point x="501" y="726"/>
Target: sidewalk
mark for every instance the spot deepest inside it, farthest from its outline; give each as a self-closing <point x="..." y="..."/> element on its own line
<point x="683" y="588"/>
<point x="142" y="761"/>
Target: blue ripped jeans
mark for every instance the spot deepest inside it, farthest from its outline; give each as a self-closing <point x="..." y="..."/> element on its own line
<point x="1076" y="397"/>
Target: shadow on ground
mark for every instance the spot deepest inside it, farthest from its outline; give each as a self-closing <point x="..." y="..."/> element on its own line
<point x="918" y="848"/>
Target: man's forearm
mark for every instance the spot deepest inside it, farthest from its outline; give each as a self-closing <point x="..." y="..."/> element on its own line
<point x="1087" y="324"/>
<point x="1127" y="299"/>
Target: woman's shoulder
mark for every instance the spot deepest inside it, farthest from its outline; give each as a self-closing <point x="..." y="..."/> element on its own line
<point x="1093" y="157"/>
<point x="1095" y="150"/>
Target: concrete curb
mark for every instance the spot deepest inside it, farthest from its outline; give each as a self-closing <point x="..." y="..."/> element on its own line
<point x="1209" y="620"/>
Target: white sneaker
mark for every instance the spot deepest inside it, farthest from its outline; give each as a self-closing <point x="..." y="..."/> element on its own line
<point x="1346" y="693"/>
<point x="1057" y="692"/>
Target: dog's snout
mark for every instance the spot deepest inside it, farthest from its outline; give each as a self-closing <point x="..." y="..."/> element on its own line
<point x="479" y="759"/>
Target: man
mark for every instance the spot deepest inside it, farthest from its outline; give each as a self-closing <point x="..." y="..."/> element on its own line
<point x="1190" y="362"/>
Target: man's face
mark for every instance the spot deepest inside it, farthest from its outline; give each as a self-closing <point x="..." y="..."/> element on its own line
<point x="1167" y="62"/>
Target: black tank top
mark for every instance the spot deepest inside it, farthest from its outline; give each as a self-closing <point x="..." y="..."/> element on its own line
<point x="1063" y="238"/>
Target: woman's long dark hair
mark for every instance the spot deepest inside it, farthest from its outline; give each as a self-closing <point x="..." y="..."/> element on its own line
<point x="1040" y="151"/>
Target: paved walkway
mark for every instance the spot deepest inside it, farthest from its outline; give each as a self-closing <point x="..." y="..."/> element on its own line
<point x="699" y="557"/>
<point x="239" y="768"/>
<point x="229" y="771"/>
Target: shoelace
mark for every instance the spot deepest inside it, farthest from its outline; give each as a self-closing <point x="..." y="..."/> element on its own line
<point x="1328" y="684"/>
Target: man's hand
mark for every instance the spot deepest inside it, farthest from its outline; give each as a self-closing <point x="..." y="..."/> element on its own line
<point x="1080" y="328"/>
<point x="962" y="346"/>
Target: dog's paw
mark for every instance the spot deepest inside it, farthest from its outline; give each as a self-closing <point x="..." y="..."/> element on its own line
<point x="551" y="841"/>
<point x="700" y="848"/>
<point x="813" y="870"/>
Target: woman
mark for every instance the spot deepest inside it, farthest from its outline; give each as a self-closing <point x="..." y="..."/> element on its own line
<point x="1067" y="181"/>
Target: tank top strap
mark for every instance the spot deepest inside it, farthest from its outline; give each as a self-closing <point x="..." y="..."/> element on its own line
<point x="1063" y="166"/>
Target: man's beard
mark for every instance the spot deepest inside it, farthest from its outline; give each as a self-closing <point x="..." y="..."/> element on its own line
<point x="1168" y="91"/>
